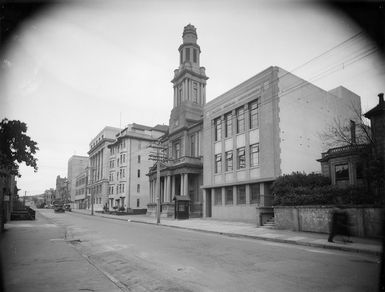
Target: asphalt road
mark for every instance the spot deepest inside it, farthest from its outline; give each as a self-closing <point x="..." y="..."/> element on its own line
<point x="143" y="257"/>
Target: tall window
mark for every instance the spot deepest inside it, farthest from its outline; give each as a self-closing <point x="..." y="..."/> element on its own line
<point x="137" y="202"/>
<point x="254" y="155"/>
<point x="342" y="172"/>
<point x="218" y="196"/>
<point x="194" y="55"/>
<point x="195" y="92"/>
<point x="254" y="194"/>
<point x="241" y="159"/>
<point x="228" y="124"/>
<point x="218" y="163"/>
<point x="229" y="161"/>
<point x="138" y="172"/>
<point x="229" y="195"/>
<point x="187" y="54"/>
<point x="218" y="129"/>
<point x="177" y="149"/>
<point x="181" y="56"/>
<point x="192" y="145"/>
<point x="240" y="113"/>
<point x="138" y="188"/>
<point x="138" y="158"/>
<point x="253" y="110"/>
<point x="241" y="194"/>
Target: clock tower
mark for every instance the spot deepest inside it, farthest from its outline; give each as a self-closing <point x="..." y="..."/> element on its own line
<point x="189" y="83"/>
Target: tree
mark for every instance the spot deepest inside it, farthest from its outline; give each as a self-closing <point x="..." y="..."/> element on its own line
<point x="15" y="147"/>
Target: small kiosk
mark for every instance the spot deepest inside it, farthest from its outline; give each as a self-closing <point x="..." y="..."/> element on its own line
<point x="182" y="207"/>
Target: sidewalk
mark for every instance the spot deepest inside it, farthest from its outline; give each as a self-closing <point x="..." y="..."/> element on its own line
<point x="35" y="256"/>
<point x="248" y="230"/>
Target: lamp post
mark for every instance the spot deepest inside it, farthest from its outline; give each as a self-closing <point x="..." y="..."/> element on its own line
<point x="89" y="174"/>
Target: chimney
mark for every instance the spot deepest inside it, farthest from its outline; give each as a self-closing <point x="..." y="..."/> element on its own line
<point x="381" y="98"/>
<point x="353" y="132"/>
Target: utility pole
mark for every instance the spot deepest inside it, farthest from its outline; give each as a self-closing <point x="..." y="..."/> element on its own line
<point x="158" y="157"/>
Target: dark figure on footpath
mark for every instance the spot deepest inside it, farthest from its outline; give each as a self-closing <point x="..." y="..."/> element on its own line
<point x="340" y="225"/>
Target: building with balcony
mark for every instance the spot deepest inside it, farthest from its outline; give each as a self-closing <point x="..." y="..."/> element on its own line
<point x="181" y="170"/>
<point x="128" y="187"/>
<point x="265" y="127"/>
<point x="98" y="170"/>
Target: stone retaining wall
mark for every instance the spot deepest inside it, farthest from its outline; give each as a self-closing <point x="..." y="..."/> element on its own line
<point x="365" y="220"/>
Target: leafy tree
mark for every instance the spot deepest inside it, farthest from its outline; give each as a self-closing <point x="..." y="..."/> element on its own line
<point x="15" y="147"/>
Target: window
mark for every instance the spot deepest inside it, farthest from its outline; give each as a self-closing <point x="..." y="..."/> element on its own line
<point x="255" y="193"/>
<point x="177" y="150"/>
<point x="195" y="92"/>
<point x="228" y="124"/>
<point x="229" y="161"/>
<point x="122" y="188"/>
<point x="194" y="55"/>
<point x="192" y="146"/>
<point x="218" y="129"/>
<point x="241" y="194"/>
<point x="112" y="189"/>
<point x="342" y="172"/>
<point x="112" y="164"/>
<point x="181" y="57"/>
<point x="137" y="202"/>
<point x="240" y="114"/>
<point x="218" y="196"/>
<point x="187" y="54"/>
<point x="138" y="172"/>
<point x="229" y="195"/>
<point x="241" y="161"/>
<point x="138" y="158"/>
<point x="218" y="163"/>
<point x="253" y="110"/>
<point x="254" y="155"/>
<point x="138" y="188"/>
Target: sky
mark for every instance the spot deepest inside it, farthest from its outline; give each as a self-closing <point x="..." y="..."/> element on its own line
<point x="83" y="65"/>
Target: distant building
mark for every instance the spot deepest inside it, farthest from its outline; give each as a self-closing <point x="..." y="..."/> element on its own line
<point x="181" y="174"/>
<point x="267" y="126"/>
<point x="61" y="192"/>
<point x="49" y="196"/>
<point x="128" y="186"/>
<point x="81" y="191"/>
<point x="98" y="171"/>
<point x="76" y="165"/>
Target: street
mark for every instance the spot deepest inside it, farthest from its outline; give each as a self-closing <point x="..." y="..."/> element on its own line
<point x="144" y="257"/>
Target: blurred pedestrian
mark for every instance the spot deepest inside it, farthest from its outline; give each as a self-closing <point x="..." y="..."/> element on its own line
<point x="340" y="225"/>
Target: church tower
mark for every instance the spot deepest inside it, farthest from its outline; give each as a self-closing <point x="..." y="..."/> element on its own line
<point x="189" y="83"/>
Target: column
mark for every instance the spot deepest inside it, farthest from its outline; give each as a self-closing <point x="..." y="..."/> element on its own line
<point x="169" y="188"/>
<point x="204" y="203"/>
<point x="185" y="184"/>
<point x="262" y="194"/>
<point x="172" y="186"/>
<point x="175" y="93"/>
<point x="182" y="184"/>
<point x="248" y="199"/>
<point x="165" y="192"/>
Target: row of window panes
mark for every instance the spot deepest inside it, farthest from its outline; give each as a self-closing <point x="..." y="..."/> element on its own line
<point x="122" y="160"/>
<point x="253" y="109"/>
<point x="241" y="158"/>
<point x="117" y="148"/>
<point x="81" y="181"/>
<point x="187" y="55"/>
<point x="241" y="195"/>
<point x="79" y="192"/>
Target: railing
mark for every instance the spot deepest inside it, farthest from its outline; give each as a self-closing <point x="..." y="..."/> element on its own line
<point x="347" y="148"/>
<point x="186" y="159"/>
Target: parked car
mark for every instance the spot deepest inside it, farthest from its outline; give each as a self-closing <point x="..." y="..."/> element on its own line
<point x="67" y="207"/>
<point x="59" y="209"/>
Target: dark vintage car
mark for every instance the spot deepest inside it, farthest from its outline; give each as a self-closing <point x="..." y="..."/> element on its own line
<point x="59" y="209"/>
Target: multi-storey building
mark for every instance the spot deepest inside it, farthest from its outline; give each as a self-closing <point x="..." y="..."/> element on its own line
<point x="99" y="167"/>
<point x="267" y="126"/>
<point x="49" y="196"/>
<point x="128" y="165"/>
<point x="76" y="165"/>
<point x="61" y="192"/>
<point x="81" y="191"/>
<point x="181" y="172"/>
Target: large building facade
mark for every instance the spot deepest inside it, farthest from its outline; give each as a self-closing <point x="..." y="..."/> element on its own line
<point x="98" y="170"/>
<point x="76" y="165"/>
<point x="181" y="171"/>
<point x="267" y="126"/>
<point x="128" y="187"/>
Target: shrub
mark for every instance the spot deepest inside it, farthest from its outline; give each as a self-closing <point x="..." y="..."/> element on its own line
<point x="314" y="189"/>
<point x="122" y="209"/>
